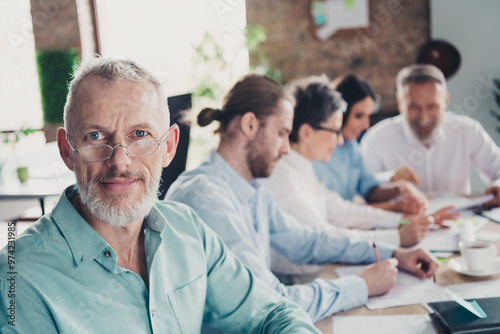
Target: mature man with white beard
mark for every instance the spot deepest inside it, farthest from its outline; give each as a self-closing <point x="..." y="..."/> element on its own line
<point x="109" y="258"/>
<point x="438" y="145"/>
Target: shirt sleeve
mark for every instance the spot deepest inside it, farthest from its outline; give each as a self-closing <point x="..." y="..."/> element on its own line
<point x="312" y="204"/>
<point x="25" y="307"/>
<point x="347" y="214"/>
<point x="238" y="302"/>
<point x="344" y="218"/>
<point x="486" y="155"/>
<point x="303" y="244"/>
<point x="299" y="243"/>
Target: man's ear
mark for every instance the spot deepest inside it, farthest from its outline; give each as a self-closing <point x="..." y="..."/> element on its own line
<point x="64" y="149"/>
<point x="249" y="124"/>
<point x="305" y="132"/>
<point x="446" y="100"/>
<point x="400" y="102"/>
<point x="171" y="142"/>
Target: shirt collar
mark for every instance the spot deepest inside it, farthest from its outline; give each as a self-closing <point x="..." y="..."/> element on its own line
<point x="245" y="190"/>
<point x="85" y="243"/>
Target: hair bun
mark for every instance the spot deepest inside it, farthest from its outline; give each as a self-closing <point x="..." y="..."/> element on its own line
<point x="207" y="115"/>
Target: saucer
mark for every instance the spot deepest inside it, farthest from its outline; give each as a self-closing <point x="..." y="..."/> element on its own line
<point x="458" y="264"/>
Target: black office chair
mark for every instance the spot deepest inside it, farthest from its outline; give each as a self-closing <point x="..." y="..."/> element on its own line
<point x="176" y="104"/>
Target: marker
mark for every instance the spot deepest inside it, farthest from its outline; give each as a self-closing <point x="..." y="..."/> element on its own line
<point x="375" y="250"/>
<point x="404" y="222"/>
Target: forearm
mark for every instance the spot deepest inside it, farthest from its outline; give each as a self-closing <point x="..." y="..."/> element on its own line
<point x="322" y="298"/>
<point x="383" y="193"/>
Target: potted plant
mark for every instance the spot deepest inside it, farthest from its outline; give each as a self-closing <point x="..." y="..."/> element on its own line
<point x="55" y="69"/>
<point x="12" y="137"/>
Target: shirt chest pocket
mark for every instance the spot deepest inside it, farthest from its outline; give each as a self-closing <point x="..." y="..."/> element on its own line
<point x="188" y="303"/>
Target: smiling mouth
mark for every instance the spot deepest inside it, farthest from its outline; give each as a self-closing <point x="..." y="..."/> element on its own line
<point x="119" y="184"/>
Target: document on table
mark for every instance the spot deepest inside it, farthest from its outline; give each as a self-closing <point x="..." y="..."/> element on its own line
<point x="391" y="324"/>
<point x="446" y="239"/>
<point x="483" y="289"/>
<point x="460" y="202"/>
<point x="493" y="214"/>
<point x="408" y="290"/>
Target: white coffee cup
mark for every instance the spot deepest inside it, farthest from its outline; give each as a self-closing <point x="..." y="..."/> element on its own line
<point x="477" y="254"/>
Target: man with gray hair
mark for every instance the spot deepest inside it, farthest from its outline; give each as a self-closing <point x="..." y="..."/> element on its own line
<point x="110" y="258"/>
<point x="440" y="146"/>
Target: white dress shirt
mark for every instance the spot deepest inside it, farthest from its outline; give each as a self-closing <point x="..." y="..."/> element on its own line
<point x="444" y="166"/>
<point x="298" y="191"/>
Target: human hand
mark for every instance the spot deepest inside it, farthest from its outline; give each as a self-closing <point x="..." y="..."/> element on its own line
<point x="415" y="230"/>
<point x="495" y="202"/>
<point x="380" y="277"/>
<point x="443" y="214"/>
<point x="412" y="201"/>
<point x="405" y="173"/>
<point x="419" y="262"/>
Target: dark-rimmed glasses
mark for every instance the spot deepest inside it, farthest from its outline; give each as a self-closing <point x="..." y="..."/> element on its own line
<point x="337" y="132"/>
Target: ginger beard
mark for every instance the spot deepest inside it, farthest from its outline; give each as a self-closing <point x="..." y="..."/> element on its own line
<point x="260" y="157"/>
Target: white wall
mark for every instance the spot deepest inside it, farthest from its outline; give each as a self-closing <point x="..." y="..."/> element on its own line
<point x="473" y="27"/>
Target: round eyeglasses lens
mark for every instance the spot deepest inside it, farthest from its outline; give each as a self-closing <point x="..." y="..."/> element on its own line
<point x="143" y="147"/>
<point x="95" y="152"/>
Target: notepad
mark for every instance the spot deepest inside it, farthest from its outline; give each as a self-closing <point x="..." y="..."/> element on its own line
<point x="451" y="317"/>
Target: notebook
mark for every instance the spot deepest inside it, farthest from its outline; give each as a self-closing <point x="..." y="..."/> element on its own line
<point x="451" y="317"/>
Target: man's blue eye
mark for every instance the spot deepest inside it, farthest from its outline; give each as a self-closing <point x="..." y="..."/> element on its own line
<point x="140" y="133"/>
<point x="94" y="135"/>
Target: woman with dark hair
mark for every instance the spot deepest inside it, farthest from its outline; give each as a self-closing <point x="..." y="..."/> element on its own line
<point x="346" y="174"/>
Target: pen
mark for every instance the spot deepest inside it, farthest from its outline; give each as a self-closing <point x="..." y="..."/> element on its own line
<point x="375" y="250"/>
<point x="404" y="222"/>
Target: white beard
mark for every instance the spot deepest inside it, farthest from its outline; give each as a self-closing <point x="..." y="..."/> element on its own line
<point x="116" y="216"/>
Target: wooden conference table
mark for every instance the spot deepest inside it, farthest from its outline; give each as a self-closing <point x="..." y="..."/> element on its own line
<point x="444" y="276"/>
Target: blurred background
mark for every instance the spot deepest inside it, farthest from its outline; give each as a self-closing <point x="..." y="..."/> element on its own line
<point x="201" y="47"/>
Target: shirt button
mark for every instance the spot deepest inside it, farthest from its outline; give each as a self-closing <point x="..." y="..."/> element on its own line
<point x="107" y="253"/>
<point x="153" y="313"/>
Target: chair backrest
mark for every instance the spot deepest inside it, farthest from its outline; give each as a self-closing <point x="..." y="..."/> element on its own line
<point x="169" y="174"/>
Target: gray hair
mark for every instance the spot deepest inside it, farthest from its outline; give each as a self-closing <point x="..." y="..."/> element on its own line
<point x="111" y="71"/>
<point x="419" y="74"/>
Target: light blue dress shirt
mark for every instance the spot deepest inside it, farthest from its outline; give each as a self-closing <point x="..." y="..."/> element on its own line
<point x="346" y="173"/>
<point x="250" y="222"/>
<point x="66" y="279"/>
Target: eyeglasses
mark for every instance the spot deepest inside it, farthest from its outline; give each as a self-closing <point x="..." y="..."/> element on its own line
<point x="337" y="132"/>
<point x="101" y="152"/>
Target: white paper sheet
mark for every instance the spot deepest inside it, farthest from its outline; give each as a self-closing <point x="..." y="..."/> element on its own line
<point x="460" y="202"/>
<point x="408" y="290"/>
<point x="483" y="289"/>
<point x="391" y="324"/>
<point x="493" y="214"/>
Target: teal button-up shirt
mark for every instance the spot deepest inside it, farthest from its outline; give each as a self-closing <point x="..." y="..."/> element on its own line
<point x="66" y="279"/>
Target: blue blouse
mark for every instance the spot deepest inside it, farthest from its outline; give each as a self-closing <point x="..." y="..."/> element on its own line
<point x="346" y="173"/>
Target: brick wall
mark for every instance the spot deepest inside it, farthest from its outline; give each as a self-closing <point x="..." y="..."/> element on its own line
<point x="55" y="24"/>
<point x="397" y="29"/>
